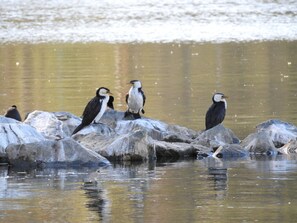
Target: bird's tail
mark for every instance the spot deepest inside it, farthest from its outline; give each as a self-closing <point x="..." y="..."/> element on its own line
<point x="78" y="128"/>
<point x="131" y="115"/>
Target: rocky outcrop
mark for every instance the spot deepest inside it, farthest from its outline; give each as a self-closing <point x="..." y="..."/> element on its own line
<point x="45" y="139"/>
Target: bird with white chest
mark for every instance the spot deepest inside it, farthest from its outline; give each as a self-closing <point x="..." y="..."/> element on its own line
<point x="95" y="109"/>
<point x="135" y="100"/>
<point x="217" y="111"/>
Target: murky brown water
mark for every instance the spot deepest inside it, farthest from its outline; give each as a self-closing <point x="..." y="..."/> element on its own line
<point x="179" y="79"/>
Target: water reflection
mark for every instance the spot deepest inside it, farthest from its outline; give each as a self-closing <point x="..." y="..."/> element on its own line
<point x="216" y="189"/>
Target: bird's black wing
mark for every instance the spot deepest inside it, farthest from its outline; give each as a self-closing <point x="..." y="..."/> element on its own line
<point x="110" y="102"/>
<point x="144" y="98"/>
<point x="127" y="96"/>
<point x="91" y="110"/>
<point x="215" y="115"/>
<point x="143" y="95"/>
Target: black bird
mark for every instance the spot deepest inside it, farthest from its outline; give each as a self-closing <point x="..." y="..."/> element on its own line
<point x="95" y="108"/>
<point x="135" y="100"/>
<point x="216" y="112"/>
<point x="13" y="112"/>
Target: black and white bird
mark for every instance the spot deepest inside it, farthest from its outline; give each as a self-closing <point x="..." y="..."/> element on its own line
<point x="217" y="111"/>
<point x="95" y="108"/>
<point x="13" y="112"/>
<point x="135" y="100"/>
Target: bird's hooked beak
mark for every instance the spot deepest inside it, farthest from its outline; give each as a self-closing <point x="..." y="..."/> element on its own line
<point x="224" y="96"/>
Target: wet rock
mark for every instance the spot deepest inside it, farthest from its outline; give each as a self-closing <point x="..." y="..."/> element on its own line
<point x="178" y="150"/>
<point x="53" y="125"/>
<point x="53" y="153"/>
<point x="12" y="131"/>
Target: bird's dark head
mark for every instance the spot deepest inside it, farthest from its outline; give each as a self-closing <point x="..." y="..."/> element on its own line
<point x="14" y="106"/>
<point x="103" y="91"/>
<point x="219" y="97"/>
<point x="136" y="83"/>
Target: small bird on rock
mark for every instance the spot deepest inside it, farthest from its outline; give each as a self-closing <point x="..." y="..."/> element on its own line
<point x="13" y="112"/>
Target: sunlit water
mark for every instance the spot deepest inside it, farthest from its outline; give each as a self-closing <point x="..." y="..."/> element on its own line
<point x="54" y="54"/>
<point x="147" y="20"/>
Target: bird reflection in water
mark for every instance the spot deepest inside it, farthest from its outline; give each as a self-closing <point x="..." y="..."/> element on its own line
<point x="94" y="194"/>
<point x="218" y="174"/>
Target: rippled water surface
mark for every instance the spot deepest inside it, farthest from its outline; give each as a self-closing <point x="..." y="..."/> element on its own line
<point x="199" y="191"/>
<point x="54" y="54"/>
<point x="147" y="20"/>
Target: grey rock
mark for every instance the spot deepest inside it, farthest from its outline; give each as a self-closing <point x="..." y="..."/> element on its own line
<point x="65" y="152"/>
<point x="230" y="151"/>
<point x="279" y="132"/>
<point x="289" y="148"/>
<point x="259" y="143"/>
<point x="217" y="136"/>
<point x="269" y="136"/>
<point x="12" y="131"/>
<point x="133" y="139"/>
<point x="53" y="125"/>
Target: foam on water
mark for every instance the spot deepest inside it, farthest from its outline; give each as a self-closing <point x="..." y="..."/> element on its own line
<point x="147" y="21"/>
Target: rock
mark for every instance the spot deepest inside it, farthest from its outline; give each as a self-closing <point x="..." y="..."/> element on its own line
<point x="178" y="150"/>
<point x="230" y="151"/>
<point x="52" y="153"/>
<point x="53" y="125"/>
<point x="269" y="136"/>
<point x="280" y="132"/>
<point x="259" y="143"/>
<point x="132" y="139"/>
<point x="289" y="148"/>
<point x="12" y="131"/>
<point x="217" y="136"/>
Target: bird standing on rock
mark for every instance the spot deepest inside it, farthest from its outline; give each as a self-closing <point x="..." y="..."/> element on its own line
<point x="13" y="112"/>
<point x="135" y="100"/>
<point x="216" y="112"/>
<point x="96" y="108"/>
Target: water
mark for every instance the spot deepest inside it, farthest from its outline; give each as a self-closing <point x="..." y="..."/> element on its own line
<point x="147" y="21"/>
<point x="54" y="54"/>
<point x="199" y="191"/>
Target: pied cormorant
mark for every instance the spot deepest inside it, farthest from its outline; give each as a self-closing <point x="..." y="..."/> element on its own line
<point x="95" y="108"/>
<point x="135" y="100"/>
<point x="13" y="112"/>
<point x="216" y="112"/>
